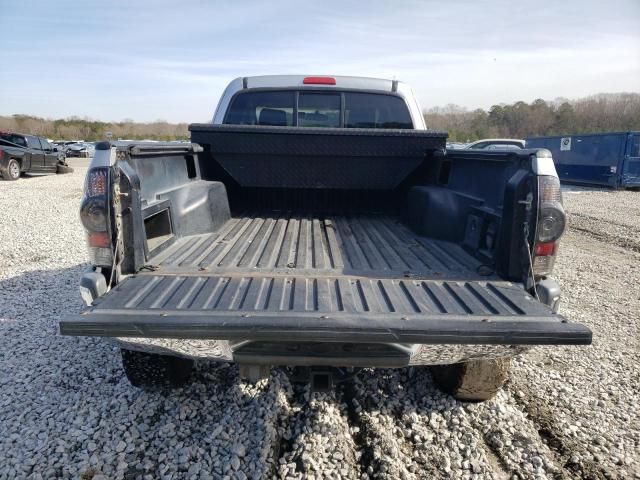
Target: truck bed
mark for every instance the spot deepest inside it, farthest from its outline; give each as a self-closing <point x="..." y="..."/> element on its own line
<point x="375" y="246"/>
<point x="315" y="263"/>
<point x="293" y="269"/>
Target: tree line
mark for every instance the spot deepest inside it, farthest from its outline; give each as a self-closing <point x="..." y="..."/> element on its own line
<point x="604" y="112"/>
<point x="76" y="128"/>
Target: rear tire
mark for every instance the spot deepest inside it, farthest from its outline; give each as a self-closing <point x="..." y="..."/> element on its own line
<point x="63" y="169"/>
<point x="151" y="371"/>
<point x="12" y="172"/>
<point x="474" y="381"/>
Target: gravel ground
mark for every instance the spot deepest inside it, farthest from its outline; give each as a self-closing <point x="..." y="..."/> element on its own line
<point x="67" y="411"/>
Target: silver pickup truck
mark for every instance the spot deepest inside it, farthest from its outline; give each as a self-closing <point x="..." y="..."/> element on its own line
<point x="317" y="223"/>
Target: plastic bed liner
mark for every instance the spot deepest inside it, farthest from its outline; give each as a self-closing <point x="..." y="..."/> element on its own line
<point x="312" y="244"/>
<point x="316" y="278"/>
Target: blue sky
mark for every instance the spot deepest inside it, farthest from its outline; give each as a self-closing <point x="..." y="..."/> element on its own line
<point x="170" y="60"/>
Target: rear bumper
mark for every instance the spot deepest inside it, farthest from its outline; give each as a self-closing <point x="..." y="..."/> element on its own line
<point x="264" y="340"/>
<point x="437" y="329"/>
<point x="229" y="351"/>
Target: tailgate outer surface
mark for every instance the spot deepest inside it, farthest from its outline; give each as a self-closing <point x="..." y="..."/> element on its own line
<point x="324" y="308"/>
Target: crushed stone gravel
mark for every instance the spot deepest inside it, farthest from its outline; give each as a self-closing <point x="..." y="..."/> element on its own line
<point x="67" y="411"/>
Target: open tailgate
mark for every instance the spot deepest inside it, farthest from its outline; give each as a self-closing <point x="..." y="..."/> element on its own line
<point x="324" y="308"/>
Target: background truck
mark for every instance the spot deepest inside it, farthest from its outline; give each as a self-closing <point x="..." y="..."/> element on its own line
<point x="608" y="159"/>
<point x="317" y="223"/>
<point x="29" y="154"/>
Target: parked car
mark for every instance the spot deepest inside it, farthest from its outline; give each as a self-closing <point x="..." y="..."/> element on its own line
<point x="609" y="159"/>
<point x="64" y="144"/>
<point x="496" y="144"/>
<point x="83" y="150"/>
<point x="361" y="243"/>
<point x="29" y="154"/>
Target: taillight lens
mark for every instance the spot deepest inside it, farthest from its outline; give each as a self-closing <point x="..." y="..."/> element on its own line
<point x="99" y="239"/>
<point x="545" y="249"/>
<point x="93" y="214"/>
<point x="97" y="182"/>
<point x="551" y="224"/>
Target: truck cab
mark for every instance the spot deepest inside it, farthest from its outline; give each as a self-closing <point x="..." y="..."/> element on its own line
<point x="346" y="102"/>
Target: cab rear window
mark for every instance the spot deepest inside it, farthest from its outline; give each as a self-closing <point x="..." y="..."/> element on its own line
<point x="262" y="108"/>
<point x="319" y="109"/>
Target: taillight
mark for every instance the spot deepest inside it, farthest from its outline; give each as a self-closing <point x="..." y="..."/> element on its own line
<point x="95" y="218"/>
<point x="550" y="226"/>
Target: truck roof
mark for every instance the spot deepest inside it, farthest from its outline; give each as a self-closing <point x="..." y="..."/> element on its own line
<point x="364" y="83"/>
